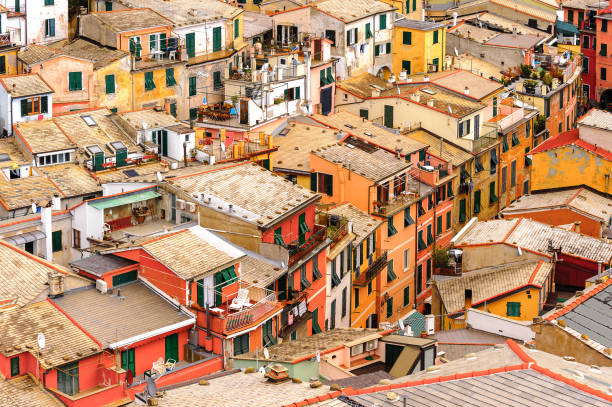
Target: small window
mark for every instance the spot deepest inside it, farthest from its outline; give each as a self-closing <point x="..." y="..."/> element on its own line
<point x="89" y="120"/>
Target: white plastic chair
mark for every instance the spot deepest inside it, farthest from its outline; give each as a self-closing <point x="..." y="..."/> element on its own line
<point x="241" y="300"/>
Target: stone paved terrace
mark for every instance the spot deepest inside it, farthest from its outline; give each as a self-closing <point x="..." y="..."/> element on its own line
<point x="239" y="390"/>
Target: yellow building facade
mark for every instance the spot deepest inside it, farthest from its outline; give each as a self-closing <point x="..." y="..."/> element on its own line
<point x="418" y="46"/>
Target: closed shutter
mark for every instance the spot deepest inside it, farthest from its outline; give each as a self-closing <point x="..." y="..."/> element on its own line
<point x="24" y="107"/>
<point x="439" y="226"/>
<point x="125" y="278"/>
<point x="2" y="64"/>
<point x="216" y="39"/>
<point x="462" y="210"/>
<point x="316" y="329"/>
<point x="190" y="44"/>
<point x="477" y="201"/>
<point x="332" y="315"/>
<point x="162" y="42"/>
<point x="236" y="28"/>
<point x="15" y="366"/>
<point x="110" y="83"/>
<point x="241" y="344"/>
<point x="75" y="81"/>
<point x="170" y="81"/>
<point x="383" y="21"/>
<point x="407" y="37"/>
<point x="388" y="48"/>
<point x="200" y="292"/>
<point x="313" y="181"/>
<point x="56" y="241"/>
<point x="329" y="184"/>
<point x="149" y="82"/>
<point x="376" y="50"/>
<point x="192" y="85"/>
<point x="390" y="307"/>
<point x="44" y="104"/>
<point x="172" y="347"/>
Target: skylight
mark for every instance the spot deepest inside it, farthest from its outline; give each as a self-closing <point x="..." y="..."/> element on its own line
<point x="89" y="120"/>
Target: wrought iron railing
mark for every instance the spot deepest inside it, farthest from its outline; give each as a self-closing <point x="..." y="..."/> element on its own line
<point x="371" y="272"/>
<point x="249" y="315"/>
<point x="297" y="250"/>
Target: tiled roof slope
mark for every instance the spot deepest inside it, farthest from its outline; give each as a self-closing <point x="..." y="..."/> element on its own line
<point x="571" y="138"/>
<point x="358" y="9"/>
<point x="132" y="19"/>
<point x="597" y="118"/>
<point x="489" y="283"/>
<point x="21" y="192"/>
<point x="66" y="342"/>
<point x="24" y="391"/>
<point x="363" y="224"/>
<point x="25" y="85"/>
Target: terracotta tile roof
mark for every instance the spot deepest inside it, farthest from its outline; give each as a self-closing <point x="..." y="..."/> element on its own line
<point x="535" y="236"/>
<point x="363" y="224"/>
<point x="241" y="186"/>
<point x="580" y="199"/>
<point x="148" y="172"/>
<point x="132" y="19"/>
<point x="179" y="11"/>
<point x="111" y="319"/>
<point x="295" y="145"/>
<point x="35" y="53"/>
<point x="365" y="129"/>
<point x="359" y="9"/>
<point x="597" y="118"/>
<point x="25" y="391"/>
<point x="23" y="277"/>
<point x="42" y="136"/>
<point x="9" y="147"/>
<point x="104" y="132"/>
<point x="417" y="24"/>
<point x="259" y="271"/>
<point x="376" y="165"/>
<point x="488" y="284"/>
<point x="83" y="48"/>
<point x="291" y="351"/>
<point x="150" y="117"/>
<point x="525" y="41"/>
<point x="72" y="179"/>
<point x="25" y="85"/>
<point x="479" y="86"/>
<point x="441" y="147"/>
<point x="363" y="84"/>
<point x="176" y="251"/>
<point x="545" y="15"/>
<point x="22" y="192"/>
<point x="65" y="341"/>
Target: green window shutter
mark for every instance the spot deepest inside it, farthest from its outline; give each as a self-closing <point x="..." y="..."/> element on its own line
<point x="462" y="210"/>
<point x="513" y="309"/>
<point x="435" y="37"/>
<point x="448" y="220"/>
<point x="200" y="292"/>
<point x="304" y="278"/>
<point x="420" y="208"/>
<point x="278" y="237"/>
<point x="329" y="184"/>
<point x="330" y="77"/>
<point x="110" y="83"/>
<point x="368" y="30"/>
<point x="527" y="159"/>
<point x="217" y="84"/>
<point x="316" y="329"/>
<point x="162" y="42"/>
<point x="388" y="48"/>
<point x="216" y="39"/>
<point x="190" y="44"/>
<point x="152" y="41"/>
<point x="376" y="50"/>
<point x="419" y="286"/>
<point x="429" y="235"/>
<point x="173" y="109"/>
<point x="241" y="344"/>
<point x="477" y="201"/>
<point x="505" y="144"/>
<point x="449" y="190"/>
<point x="390" y="273"/>
<point x="389" y="307"/>
<point x="170" y="81"/>
<point x="383" y="21"/>
<point x="344" y="294"/>
<point x="407" y="218"/>
<point x="193" y="113"/>
<point x="420" y="241"/>
<point x="407" y="38"/>
<point x="313" y="181"/>
<point x="149" y="82"/>
<point x="492" y="196"/>
<point x="421" y="155"/>
<point x="125" y="277"/>
<point x="44" y="104"/>
<point x="322" y="78"/>
<point x="297" y="92"/>
<point x="364" y="113"/>
<point x="335" y="278"/>
<point x="391" y="230"/>
<point x="439" y="225"/>
<point x="515" y="140"/>
<point x="24" y="107"/>
<point x="236" y="28"/>
<point x="49" y="2"/>
<point x="414" y="5"/>
<point x="192" y="86"/>
<point x="56" y="241"/>
<point x="15" y="366"/>
<point x="75" y="81"/>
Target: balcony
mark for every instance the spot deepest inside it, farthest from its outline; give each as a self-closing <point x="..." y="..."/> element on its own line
<point x="294" y="314"/>
<point x="484" y="141"/>
<point x="368" y="275"/>
<point x="5" y="40"/>
<point x="395" y="204"/>
<point x="297" y="251"/>
<point x="262" y="303"/>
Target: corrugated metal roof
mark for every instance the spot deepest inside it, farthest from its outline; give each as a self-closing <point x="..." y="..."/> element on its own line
<point x="124" y="200"/>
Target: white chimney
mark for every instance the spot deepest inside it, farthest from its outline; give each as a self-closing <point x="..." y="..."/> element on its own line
<point x="46" y="217"/>
<point x="57" y="202"/>
<point x="423" y="14"/>
<point x="211" y="160"/>
<point x="466" y="90"/>
<point x="455" y="18"/>
<point x="430" y="103"/>
<point x="349" y="227"/>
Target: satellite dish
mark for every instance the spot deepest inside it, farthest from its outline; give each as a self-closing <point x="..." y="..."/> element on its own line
<point x="33" y="207"/>
<point x="266" y="353"/>
<point x="400" y="323"/>
<point x="520" y="251"/>
<point x="41" y="340"/>
<point x="318" y="356"/>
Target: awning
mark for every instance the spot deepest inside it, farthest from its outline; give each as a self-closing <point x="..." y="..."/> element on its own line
<point x="25" y="237"/>
<point x="124" y="200"/>
<point x="566" y="28"/>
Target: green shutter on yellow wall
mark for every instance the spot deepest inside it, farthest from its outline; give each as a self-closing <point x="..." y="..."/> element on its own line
<point x="110" y="83"/>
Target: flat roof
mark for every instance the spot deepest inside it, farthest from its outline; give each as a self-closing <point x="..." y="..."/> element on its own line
<point x="525" y="41"/>
<point x="112" y="319"/>
<point x="100" y="264"/>
<point x="479" y="86"/>
<point x="408" y="340"/>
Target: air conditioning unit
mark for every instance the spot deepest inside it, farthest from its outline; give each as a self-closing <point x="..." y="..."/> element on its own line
<point x="101" y="286"/>
<point x="180" y="204"/>
<point x="191" y="207"/>
<point x="432" y="68"/>
<point x="371" y="345"/>
<point x="357" y="350"/>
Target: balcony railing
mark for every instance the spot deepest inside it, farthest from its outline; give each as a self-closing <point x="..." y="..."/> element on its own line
<point x="336" y="233"/>
<point x="485" y="140"/>
<point x="395" y="204"/>
<point x="297" y="251"/>
<point x="294" y="314"/>
<point x="371" y="272"/>
<point x="5" y="40"/>
<point x="254" y="313"/>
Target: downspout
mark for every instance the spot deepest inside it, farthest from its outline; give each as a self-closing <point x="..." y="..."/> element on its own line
<point x="498" y="187"/>
<point x="373" y="42"/>
<point x="416" y="246"/>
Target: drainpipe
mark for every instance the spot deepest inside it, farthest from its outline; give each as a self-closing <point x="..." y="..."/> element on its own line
<point x="307" y="59"/>
<point x="416" y="246"/>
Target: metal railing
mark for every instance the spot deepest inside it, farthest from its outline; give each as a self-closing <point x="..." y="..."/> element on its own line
<point x="371" y="272"/>
<point x="249" y="315"/>
<point x="396" y="203"/>
<point x="485" y="140"/>
<point x="297" y="251"/>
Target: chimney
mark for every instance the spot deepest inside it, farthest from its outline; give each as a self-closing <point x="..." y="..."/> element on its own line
<point x="430" y="103"/>
<point x="466" y="90"/>
<point x="455" y="18"/>
<point x="56" y="284"/>
<point x="577" y="226"/>
<point x="57" y="202"/>
<point x="46" y="217"/>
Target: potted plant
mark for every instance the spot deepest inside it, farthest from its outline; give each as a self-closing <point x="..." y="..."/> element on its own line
<point x="529" y="85"/>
